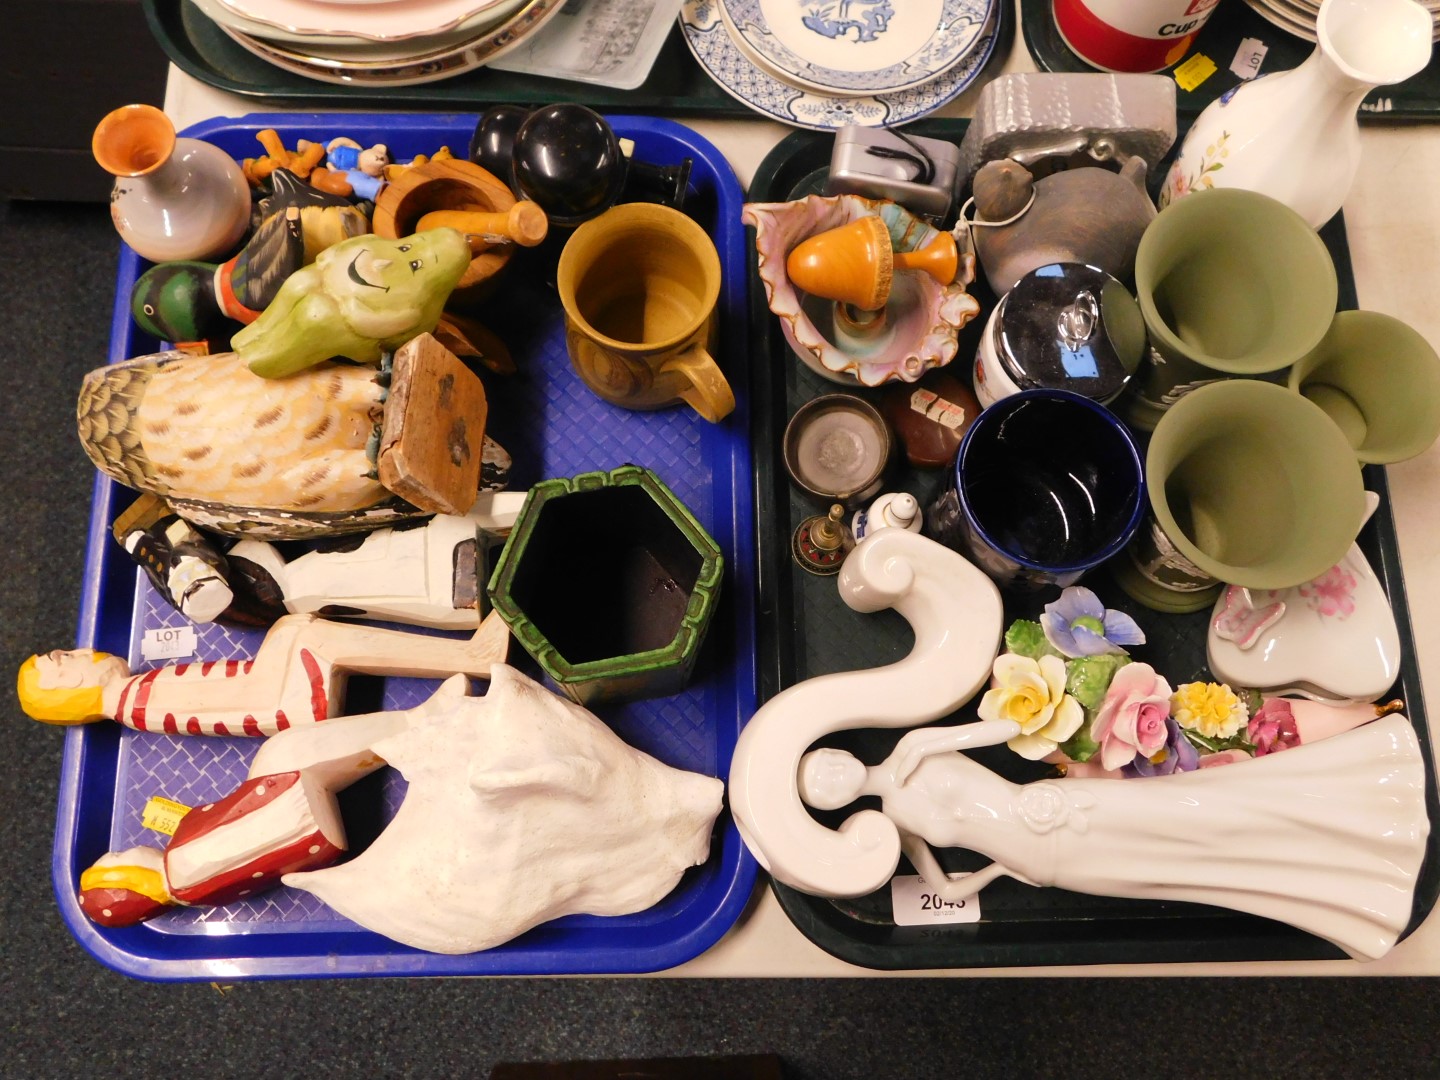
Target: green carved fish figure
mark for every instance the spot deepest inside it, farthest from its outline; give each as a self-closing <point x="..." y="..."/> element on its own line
<point x="360" y="298"/>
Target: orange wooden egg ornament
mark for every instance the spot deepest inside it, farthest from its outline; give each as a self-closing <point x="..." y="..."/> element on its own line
<point x="855" y="263"/>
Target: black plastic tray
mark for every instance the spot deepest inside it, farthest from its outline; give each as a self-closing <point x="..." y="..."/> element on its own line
<point x="806" y="630"/>
<point x="676" y="85"/>
<point x="1417" y="98"/>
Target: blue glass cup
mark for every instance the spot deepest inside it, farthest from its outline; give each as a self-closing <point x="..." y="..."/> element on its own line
<point x="1047" y="485"/>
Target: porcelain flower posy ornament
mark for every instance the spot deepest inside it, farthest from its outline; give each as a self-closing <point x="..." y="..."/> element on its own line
<point x="1078" y="624"/>
<point x="1177" y="755"/>
<point x="1031" y="693"/>
<point x="1273" y="728"/>
<point x="1132" y="721"/>
<point x="1211" y="710"/>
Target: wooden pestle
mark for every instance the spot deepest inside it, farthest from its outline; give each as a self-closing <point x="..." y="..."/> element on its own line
<point x="525" y="224"/>
<point x="855" y="264"/>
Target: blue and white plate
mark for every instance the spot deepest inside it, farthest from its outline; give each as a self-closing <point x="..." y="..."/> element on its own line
<point x="743" y="79"/>
<point x="856" y="48"/>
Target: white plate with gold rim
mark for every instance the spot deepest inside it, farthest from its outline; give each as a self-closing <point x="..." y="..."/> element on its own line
<point x="428" y="67"/>
<point x="315" y="19"/>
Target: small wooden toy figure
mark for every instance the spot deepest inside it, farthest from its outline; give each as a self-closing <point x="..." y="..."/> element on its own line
<point x="301" y="161"/>
<point x="360" y="298"/>
<point x="183" y="565"/>
<point x="297" y="677"/>
<point x="352" y="169"/>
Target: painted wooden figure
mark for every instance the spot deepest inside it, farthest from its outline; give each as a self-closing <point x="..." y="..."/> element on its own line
<point x="297" y="676"/>
<point x="185" y="567"/>
<point x="422" y="575"/>
<point x="359" y="299"/>
<point x="521" y="807"/>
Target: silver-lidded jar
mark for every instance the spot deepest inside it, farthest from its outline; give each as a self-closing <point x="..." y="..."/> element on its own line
<point x="1064" y="326"/>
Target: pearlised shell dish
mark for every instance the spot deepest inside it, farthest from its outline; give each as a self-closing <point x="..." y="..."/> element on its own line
<point x="922" y="320"/>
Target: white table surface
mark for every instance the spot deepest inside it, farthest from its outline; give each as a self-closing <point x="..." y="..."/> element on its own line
<point x="1393" y="223"/>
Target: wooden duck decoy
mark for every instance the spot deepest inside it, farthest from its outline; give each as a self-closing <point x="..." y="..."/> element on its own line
<point x="335" y="448"/>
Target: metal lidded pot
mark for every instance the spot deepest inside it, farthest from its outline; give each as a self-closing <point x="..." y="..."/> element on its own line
<point x="1064" y="326"/>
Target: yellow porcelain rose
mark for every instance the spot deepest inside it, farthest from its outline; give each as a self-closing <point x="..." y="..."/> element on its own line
<point x="1032" y="693"/>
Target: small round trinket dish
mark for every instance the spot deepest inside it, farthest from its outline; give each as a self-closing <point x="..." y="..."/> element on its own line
<point x="1064" y="326"/>
<point x="836" y="448"/>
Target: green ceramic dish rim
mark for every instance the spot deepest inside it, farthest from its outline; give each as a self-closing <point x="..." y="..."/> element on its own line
<point x="692" y="625"/>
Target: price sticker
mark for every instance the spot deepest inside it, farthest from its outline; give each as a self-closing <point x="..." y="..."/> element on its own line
<point x="933" y="407"/>
<point x="914" y="903"/>
<point x="163" y="815"/>
<point x="1194" y="71"/>
<point x="168" y="642"/>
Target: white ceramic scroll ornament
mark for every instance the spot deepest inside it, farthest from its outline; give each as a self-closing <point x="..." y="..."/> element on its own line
<point x="1333" y="639"/>
<point x="521" y="807"/>
<point x="1327" y="837"/>
<point x="956" y="614"/>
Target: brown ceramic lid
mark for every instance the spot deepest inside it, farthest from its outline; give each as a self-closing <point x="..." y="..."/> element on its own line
<point x="930" y="417"/>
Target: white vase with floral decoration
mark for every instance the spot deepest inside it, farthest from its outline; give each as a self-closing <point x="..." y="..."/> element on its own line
<point x="1293" y="135"/>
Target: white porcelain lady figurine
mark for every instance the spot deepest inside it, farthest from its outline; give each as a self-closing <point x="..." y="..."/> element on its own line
<point x="1327" y="837"/>
<point x="1293" y="135"/>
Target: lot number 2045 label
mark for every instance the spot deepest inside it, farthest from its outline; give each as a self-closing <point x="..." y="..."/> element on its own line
<point x="914" y="903"/>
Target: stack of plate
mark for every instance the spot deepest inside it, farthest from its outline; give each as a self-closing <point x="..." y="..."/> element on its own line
<point x="1298" y="16"/>
<point x="379" y="43"/>
<point x="824" y="64"/>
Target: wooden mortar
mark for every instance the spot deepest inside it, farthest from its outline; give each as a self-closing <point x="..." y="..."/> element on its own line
<point x="452" y="184"/>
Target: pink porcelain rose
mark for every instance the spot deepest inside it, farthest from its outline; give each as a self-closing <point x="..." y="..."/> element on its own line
<point x="1132" y="717"/>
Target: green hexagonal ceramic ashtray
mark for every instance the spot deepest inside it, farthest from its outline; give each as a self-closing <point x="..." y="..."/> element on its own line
<point x="609" y="582"/>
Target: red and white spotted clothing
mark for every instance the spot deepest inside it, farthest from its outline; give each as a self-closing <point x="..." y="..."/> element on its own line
<point x="284" y="686"/>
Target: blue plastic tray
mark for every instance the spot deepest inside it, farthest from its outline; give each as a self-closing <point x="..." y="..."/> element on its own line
<point x="552" y="426"/>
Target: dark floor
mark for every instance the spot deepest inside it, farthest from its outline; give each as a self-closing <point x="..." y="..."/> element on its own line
<point x="61" y="1013"/>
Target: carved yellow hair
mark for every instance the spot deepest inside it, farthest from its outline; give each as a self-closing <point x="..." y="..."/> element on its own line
<point x="62" y="706"/>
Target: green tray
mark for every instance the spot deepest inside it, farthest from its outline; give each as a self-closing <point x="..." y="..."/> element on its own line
<point x="1416" y="98"/>
<point x="198" y="47"/>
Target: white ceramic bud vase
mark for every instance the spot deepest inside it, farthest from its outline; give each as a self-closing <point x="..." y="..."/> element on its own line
<point x="173" y="198"/>
<point x="1293" y="135"/>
